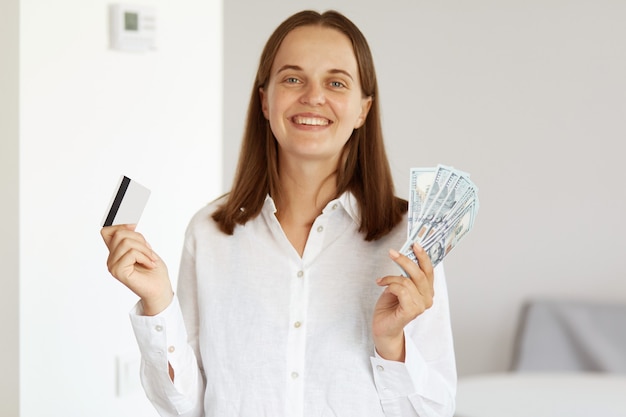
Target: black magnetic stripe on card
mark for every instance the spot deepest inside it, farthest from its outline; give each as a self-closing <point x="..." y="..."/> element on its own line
<point x="117" y="202"/>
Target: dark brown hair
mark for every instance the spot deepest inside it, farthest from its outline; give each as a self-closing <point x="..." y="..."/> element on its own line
<point x="364" y="168"/>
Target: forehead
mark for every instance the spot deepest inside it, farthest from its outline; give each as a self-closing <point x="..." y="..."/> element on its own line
<point x="308" y="46"/>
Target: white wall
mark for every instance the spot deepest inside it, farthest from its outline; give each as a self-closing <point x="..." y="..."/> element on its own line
<point x="9" y="209"/>
<point x="527" y="96"/>
<point x="89" y="115"/>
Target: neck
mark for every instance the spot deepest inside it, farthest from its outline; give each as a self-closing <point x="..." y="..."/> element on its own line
<point x="306" y="188"/>
<point x="305" y="191"/>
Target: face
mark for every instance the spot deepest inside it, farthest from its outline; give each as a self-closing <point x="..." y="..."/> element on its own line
<point x="313" y="99"/>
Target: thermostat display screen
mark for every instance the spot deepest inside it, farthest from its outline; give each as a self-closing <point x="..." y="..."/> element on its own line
<point x="131" y="21"/>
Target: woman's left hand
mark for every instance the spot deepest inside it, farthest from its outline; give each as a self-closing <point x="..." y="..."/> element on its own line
<point x="402" y="301"/>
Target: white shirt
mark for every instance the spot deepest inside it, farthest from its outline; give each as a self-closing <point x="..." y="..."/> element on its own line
<point x="257" y="330"/>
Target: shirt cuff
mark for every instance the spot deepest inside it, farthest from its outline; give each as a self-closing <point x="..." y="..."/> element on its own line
<point x="162" y="340"/>
<point x="398" y="379"/>
<point x="408" y="380"/>
<point x="161" y="335"/>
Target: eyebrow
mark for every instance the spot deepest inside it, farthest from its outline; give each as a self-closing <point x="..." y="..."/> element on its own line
<point x="298" y="68"/>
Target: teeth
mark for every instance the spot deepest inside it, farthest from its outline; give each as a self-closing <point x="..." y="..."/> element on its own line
<point x="311" y="121"/>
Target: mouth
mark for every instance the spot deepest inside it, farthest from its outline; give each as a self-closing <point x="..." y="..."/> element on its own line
<point x="310" y="121"/>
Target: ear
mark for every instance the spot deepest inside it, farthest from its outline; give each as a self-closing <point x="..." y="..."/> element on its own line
<point x="366" y="104"/>
<point x="263" y="97"/>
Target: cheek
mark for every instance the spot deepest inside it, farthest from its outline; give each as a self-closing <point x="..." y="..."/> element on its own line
<point x="275" y="105"/>
<point x="351" y="113"/>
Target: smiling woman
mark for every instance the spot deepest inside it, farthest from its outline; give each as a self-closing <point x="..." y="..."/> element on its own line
<point x="289" y="299"/>
<point x="313" y="99"/>
<point x="364" y="169"/>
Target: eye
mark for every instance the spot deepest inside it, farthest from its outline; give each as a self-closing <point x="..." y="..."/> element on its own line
<point x="292" y="80"/>
<point x="337" y="84"/>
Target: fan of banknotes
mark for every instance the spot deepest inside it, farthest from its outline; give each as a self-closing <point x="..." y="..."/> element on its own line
<point x="443" y="203"/>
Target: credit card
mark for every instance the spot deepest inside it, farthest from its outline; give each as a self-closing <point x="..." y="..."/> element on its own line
<point x="127" y="203"/>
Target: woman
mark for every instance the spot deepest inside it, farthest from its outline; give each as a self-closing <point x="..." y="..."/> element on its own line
<point x="287" y="301"/>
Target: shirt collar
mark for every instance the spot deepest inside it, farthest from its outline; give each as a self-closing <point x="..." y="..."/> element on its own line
<point x="346" y="200"/>
<point x="350" y="205"/>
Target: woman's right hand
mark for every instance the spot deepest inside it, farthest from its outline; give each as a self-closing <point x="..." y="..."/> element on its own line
<point x="133" y="262"/>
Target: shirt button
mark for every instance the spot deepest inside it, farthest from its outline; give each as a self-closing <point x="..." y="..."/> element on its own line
<point x="335" y="206"/>
<point x="297" y="325"/>
<point x="300" y="274"/>
<point x="320" y="228"/>
<point x="380" y="368"/>
<point x="294" y="375"/>
<point x="171" y="349"/>
<point x="158" y="328"/>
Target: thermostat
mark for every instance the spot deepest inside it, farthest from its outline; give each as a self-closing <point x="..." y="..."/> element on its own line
<point x="132" y="28"/>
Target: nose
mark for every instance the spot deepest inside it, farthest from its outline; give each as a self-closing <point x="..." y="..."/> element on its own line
<point x="313" y="95"/>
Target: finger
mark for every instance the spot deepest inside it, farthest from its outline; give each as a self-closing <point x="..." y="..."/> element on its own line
<point x="126" y="236"/>
<point x="424" y="261"/>
<point x="416" y="272"/>
<point x="108" y="232"/>
<point x="391" y="279"/>
<point x="130" y="244"/>
<point x="129" y="262"/>
<point x="410" y="268"/>
<point x="401" y="287"/>
<point x="426" y="285"/>
<point x="412" y="302"/>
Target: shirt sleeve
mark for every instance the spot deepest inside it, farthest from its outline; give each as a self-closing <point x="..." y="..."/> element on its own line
<point x="425" y="384"/>
<point x="162" y="340"/>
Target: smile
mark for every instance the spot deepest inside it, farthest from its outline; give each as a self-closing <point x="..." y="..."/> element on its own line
<point x="311" y="121"/>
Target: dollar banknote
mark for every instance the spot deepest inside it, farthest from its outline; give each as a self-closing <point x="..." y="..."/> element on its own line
<point x="443" y="203"/>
